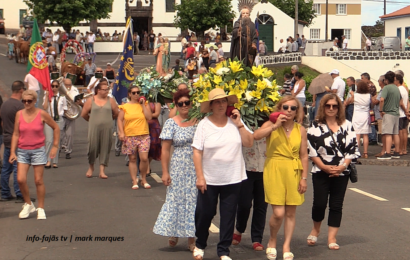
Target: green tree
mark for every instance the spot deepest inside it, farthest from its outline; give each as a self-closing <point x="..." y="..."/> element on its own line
<point x="305" y="8"/>
<point x="200" y="15"/>
<point x="69" y="13"/>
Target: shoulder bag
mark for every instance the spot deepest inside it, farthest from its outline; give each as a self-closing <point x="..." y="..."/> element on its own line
<point x="351" y="168"/>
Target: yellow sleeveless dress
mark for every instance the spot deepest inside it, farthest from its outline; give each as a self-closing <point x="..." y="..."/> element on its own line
<point x="283" y="168"/>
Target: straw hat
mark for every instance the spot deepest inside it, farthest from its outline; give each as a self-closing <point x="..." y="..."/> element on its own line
<point x="215" y="94"/>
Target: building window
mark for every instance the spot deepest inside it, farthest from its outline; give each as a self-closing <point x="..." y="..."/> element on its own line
<point x="314" y="34"/>
<point x="316" y="8"/>
<point x="341" y="9"/>
<point x="347" y="33"/>
<point x="170" y="6"/>
<point x="1" y="13"/>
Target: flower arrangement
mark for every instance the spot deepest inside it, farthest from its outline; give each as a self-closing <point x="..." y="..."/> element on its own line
<point x="256" y="92"/>
<point x="170" y="85"/>
<point x="150" y="84"/>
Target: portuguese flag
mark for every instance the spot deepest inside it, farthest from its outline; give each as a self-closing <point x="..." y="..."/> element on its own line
<point x="38" y="65"/>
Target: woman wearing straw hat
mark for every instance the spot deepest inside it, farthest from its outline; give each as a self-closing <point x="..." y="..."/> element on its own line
<point x="220" y="169"/>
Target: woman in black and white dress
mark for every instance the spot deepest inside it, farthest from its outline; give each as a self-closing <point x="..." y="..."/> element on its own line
<point x="330" y="156"/>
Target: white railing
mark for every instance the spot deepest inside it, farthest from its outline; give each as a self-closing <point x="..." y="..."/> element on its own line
<point x="291" y="57"/>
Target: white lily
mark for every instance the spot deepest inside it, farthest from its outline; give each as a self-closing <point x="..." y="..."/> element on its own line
<point x="248" y="96"/>
<point x="222" y="71"/>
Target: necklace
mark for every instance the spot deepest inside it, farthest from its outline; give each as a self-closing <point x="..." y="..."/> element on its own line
<point x="287" y="129"/>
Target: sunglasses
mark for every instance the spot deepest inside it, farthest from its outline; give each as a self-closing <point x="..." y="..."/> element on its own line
<point x="136" y="92"/>
<point x="328" y="106"/>
<point x="181" y="104"/>
<point x="54" y="86"/>
<point x="286" y="107"/>
<point x="27" y="101"/>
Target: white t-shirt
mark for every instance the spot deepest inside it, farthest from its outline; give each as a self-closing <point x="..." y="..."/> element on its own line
<point x="368" y="42"/>
<point x="56" y="37"/>
<point x="61" y="105"/>
<point x="340" y="85"/>
<point x="345" y="42"/>
<point x="283" y="46"/>
<point x="91" y="38"/>
<point x="32" y="82"/>
<point x="405" y="98"/>
<point x="92" y="80"/>
<point x="222" y="160"/>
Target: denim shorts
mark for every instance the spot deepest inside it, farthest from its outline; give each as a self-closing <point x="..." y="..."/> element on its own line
<point x="33" y="157"/>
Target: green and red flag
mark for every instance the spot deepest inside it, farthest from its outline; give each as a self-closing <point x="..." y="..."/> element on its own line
<point x="38" y="65"/>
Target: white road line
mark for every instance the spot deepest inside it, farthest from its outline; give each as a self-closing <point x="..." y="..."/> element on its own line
<point x="213" y="228"/>
<point x="368" y="194"/>
<point x="156" y="177"/>
<point x="406" y="209"/>
<point x="2" y="54"/>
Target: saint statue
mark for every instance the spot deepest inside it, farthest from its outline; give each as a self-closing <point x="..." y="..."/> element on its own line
<point x="244" y="39"/>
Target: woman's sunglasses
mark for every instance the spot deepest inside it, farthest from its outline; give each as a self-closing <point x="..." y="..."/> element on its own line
<point x="181" y="104"/>
<point x="27" y="101"/>
<point x="328" y="106"/>
<point x="54" y="86"/>
<point x="286" y="107"/>
<point x="136" y="92"/>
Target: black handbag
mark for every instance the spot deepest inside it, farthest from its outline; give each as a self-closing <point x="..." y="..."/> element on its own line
<point x="351" y="168"/>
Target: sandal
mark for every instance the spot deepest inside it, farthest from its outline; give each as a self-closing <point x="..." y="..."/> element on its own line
<point x="135" y="187"/>
<point x="288" y="256"/>
<point x="236" y="239"/>
<point x="334" y="246"/>
<point x="146" y="185"/>
<point x="311" y="240"/>
<point x="198" y="254"/>
<point x="257" y="246"/>
<point x="271" y="253"/>
<point x="172" y="241"/>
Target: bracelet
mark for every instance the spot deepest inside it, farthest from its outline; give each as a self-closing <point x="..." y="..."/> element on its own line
<point x="239" y="127"/>
<point x="304" y="178"/>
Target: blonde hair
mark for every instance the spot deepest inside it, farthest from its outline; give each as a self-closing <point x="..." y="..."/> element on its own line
<point x="31" y="93"/>
<point x="299" y="111"/>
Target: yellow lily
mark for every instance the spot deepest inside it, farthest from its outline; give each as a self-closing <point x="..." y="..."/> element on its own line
<point x="217" y="79"/>
<point x="239" y="104"/>
<point x="262" y="106"/>
<point x="274" y="96"/>
<point x="257" y="71"/>
<point x="244" y="84"/>
<point x="235" y="66"/>
<point x="261" y="85"/>
<point x="267" y="73"/>
<point x="256" y="94"/>
<point x="236" y="91"/>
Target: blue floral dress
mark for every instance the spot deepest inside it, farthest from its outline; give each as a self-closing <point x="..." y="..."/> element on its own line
<point x="177" y="216"/>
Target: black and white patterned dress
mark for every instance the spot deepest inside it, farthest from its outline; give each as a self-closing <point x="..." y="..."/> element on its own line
<point x="320" y="144"/>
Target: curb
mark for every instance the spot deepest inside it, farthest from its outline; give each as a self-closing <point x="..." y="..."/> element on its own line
<point x="392" y="162"/>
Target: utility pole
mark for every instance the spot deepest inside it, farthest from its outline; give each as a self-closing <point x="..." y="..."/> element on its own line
<point x="327" y="21"/>
<point x="296" y="17"/>
<point x="384" y="7"/>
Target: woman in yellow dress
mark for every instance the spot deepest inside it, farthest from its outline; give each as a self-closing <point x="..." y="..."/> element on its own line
<point x="285" y="172"/>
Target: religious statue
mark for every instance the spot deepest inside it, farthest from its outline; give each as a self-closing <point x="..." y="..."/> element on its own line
<point x="244" y="39"/>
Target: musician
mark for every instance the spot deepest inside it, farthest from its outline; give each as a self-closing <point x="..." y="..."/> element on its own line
<point x="55" y="108"/>
<point x="192" y="66"/>
<point x="94" y="81"/>
<point x="244" y="39"/>
<point x="67" y="134"/>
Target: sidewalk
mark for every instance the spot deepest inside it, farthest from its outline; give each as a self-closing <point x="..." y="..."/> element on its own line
<point x="372" y="160"/>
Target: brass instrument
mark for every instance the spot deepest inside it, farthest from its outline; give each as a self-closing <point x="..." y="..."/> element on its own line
<point x="73" y="110"/>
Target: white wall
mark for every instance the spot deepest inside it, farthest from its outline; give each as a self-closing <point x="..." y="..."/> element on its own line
<point x="391" y="26"/>
<point x="11" y="12"/>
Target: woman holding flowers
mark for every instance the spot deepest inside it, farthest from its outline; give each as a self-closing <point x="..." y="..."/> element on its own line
<point x="220" y="169"/>
<point x="285" y="172"/>
<point x="177" y="216"/>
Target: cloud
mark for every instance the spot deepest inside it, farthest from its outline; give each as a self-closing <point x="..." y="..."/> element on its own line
<point x="372" y="10"/>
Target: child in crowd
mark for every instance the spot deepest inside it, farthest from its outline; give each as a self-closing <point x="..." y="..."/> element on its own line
<point x="286" y="89"/>
<point x="11" y="49"/>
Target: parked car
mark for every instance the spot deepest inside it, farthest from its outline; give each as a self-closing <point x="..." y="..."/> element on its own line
<point x="387" y="43"/>
<point x="28" y="21"/>
<point x="2" y="25"/>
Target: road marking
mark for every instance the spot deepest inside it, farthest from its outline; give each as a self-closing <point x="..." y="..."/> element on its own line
<point x="368" y="194"/>
<point x="156" y="177"/>
<point x="406" y="209"/>
<point x="213" y="228"/>
<point x="2" y="54"/>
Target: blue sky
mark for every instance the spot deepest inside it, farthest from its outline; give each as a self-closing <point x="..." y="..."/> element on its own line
<point x="372" y="10"/>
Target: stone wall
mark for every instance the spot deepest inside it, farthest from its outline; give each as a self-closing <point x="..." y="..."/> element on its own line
<point x="369" y="55"/>
<point x="292" y="57"/>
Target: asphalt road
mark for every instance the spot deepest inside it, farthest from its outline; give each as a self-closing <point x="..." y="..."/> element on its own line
<point x="80" y="207"/>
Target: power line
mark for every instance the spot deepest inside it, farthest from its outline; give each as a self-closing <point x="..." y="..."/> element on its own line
<point x="390" y="2"/>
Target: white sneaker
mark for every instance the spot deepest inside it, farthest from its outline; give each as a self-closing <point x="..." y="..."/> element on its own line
<point x="41" y="214"/>
<point x="27" y="209"/>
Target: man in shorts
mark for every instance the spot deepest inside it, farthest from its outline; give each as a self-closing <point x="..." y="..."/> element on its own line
<point x="390" y="102"/>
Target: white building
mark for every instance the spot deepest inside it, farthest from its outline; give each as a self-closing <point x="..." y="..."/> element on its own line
<point x="344" y="18"/>
<point x="397" y="24"/>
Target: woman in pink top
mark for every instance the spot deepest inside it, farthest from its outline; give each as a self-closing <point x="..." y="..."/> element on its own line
<point x="28" y="139"/>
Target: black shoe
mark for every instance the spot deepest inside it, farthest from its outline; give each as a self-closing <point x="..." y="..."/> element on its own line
<point x="21" y="200"/>
<point x="395" y="155"/>
<point x="117" y="153"/>
<point x="386" y="156"/>
<point x="7" y="199"/>
<point x="127" y="164"/>
<point x="47" y="166"/>
<point x="373" y="143"/>
<point x="68" y="156"/>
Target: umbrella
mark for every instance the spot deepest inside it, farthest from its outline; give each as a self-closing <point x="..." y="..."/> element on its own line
<point x="319" y="83"/>
<point x="211" y="45"/>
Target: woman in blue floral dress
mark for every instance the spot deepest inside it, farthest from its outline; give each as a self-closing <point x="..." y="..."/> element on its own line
<point x="177" y="216"/>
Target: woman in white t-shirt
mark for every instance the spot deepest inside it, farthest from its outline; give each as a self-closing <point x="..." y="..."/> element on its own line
<point x="298" y="90"/>
<point x="220" y="169"/>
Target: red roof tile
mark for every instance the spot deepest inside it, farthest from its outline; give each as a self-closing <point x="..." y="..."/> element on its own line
<point x="401" y="12"/>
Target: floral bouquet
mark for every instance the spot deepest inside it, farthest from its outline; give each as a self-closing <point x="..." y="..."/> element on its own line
<point x="170" y="85"/>
<point x="256" y="92"/>
<point x="150" y="84"/>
